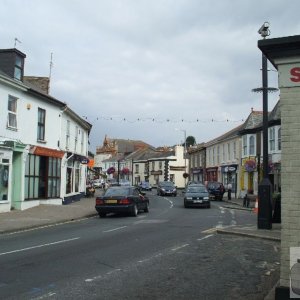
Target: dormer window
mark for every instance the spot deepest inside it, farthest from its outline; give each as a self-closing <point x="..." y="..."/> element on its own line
<point x="18" y="68"/>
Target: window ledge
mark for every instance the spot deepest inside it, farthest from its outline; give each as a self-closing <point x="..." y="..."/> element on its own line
<point x="42" y="141"/>
<point x="11" y="128"/>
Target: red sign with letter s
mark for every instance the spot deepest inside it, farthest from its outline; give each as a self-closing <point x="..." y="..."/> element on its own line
<point x="295" y="72"/>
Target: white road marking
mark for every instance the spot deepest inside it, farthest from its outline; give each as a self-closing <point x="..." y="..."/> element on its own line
<point x="118" y="228"/>
<point x="50" y="294"/>
<point x="205" y="237"/>
<point x="39" y="246"/>
<point x="100" y="276"/>
<point x="180" y="247"/>
<point x="170" y="201"/>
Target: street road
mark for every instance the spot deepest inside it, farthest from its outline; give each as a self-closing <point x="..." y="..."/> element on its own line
<point x="169" y="253"/>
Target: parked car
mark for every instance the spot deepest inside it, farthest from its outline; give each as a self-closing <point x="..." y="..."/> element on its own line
<point x="216" y="190"/>
<point x="122" y="199"/>
<point x="196" y="195"/>
<point x="124" y="182"/>
<point x="145" y="186"/>
<point x="166" y="188"/>
<point x="194" y="182"/>
<point x="98" y="183"/>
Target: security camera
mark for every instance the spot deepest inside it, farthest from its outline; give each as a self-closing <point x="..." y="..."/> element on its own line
<point x="264" y="29"/>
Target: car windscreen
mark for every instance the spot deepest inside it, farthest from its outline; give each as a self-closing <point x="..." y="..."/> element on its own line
<point x="167" y="184"/>
<point x="196" y="189"/>
<point x="117" y="192"/>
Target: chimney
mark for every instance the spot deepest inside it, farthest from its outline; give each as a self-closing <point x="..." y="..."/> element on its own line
<point x="42" y="83"/>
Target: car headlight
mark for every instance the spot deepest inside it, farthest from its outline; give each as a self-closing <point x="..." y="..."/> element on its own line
<point x="206" y="198"/>
<point x="188" y="198"/>
<point x="163" y="190"/>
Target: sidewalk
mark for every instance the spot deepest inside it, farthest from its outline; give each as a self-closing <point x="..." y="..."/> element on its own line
<point x="45" y="215"/>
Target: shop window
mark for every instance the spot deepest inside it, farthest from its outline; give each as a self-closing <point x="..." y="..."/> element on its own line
<point x="42" y="177"/>
<point x="4" y="172"/>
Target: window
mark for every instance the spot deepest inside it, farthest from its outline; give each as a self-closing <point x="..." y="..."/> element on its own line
<point x="218" y="155"/>
<point x="82" y="142"/>
<point x="153" y="165"/>
<point x="12" y="112"/>
<point x="41" y="124"/>
<point x="42" y="177"/>
<point x="279" y="139"/>
<point x="137" y="168"/>
<point x="251" y="145"/>
<point x="228" y="151"/>
<point x="160" y="165"/>
<point x="223" y="152"/>
<point x="234" y="150"/>
<point x="4" y="172"/>
<point x="272" y="139"/>
<point x="18" y="68"/>
<point x="244" y="145"/>
<point x="68" y="135"/>
<point x="76" y="138"/>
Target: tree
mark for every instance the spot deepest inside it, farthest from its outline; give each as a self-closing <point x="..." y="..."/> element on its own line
<point x="190" y="141"/>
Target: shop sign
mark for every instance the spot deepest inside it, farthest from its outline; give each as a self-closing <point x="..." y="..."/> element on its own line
<point x="226" y="169"/>
<point x="42" y="151"/>
<point x="289" y="75"/>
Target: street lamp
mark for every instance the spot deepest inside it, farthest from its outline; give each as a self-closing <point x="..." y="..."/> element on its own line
<point x="264" y="218"/>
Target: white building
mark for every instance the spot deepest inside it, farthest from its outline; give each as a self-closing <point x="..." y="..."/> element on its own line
<point x="43" y="143"/>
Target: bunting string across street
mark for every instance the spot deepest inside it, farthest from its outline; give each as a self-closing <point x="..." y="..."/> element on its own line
<point x="160" y="120"/>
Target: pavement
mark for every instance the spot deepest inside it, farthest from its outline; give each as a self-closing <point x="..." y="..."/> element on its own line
<point x="51" y="215"/>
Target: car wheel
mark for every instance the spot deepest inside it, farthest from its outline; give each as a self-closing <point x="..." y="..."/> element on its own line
<point x="102" y="215"/>
<point x="208" y="205"/>
<point x="135" y="210"/>
<point x="146" y="208"/>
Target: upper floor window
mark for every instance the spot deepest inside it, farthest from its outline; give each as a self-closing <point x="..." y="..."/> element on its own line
<point x="136" y="168"/>
<point x="160" y="165"/>
<point x="228" y="151"/>
<point x="18" y="68"/>
<point x="279" y="139"/>
<point x="251" y="145"/>
<point x="234" y="150"/>
<point x="153" y="165"/>
<point x="76" y="137"/>
<point x="82" y="142"/>
<point x="272" y="139"/>
<point x="245" y="145"/>
<point x="68" y="135"/>
<point x="41" y="124"/>
<point x="218" y="155"/>
<point x="12" y="112"/>
<point x="223" y="152"/>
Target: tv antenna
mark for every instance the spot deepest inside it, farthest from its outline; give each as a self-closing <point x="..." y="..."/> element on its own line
<point x="16" y="40"/>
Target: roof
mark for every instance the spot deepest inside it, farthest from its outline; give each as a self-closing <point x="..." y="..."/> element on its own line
<point x="280" y="47"/>
<point x="228" y="135"/>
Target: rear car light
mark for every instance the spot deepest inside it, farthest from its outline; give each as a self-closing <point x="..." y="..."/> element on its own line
<point x="99" y="201"/>
<point x="125" y="201"/>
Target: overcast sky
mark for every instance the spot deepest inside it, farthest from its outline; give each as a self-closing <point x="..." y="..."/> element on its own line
<point x="150" y="70"/>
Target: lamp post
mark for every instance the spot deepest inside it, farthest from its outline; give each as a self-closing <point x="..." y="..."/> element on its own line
<point x="264" y="218"/>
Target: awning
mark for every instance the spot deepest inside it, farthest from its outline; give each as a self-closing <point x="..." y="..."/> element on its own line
<point x="42" y="151"/>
